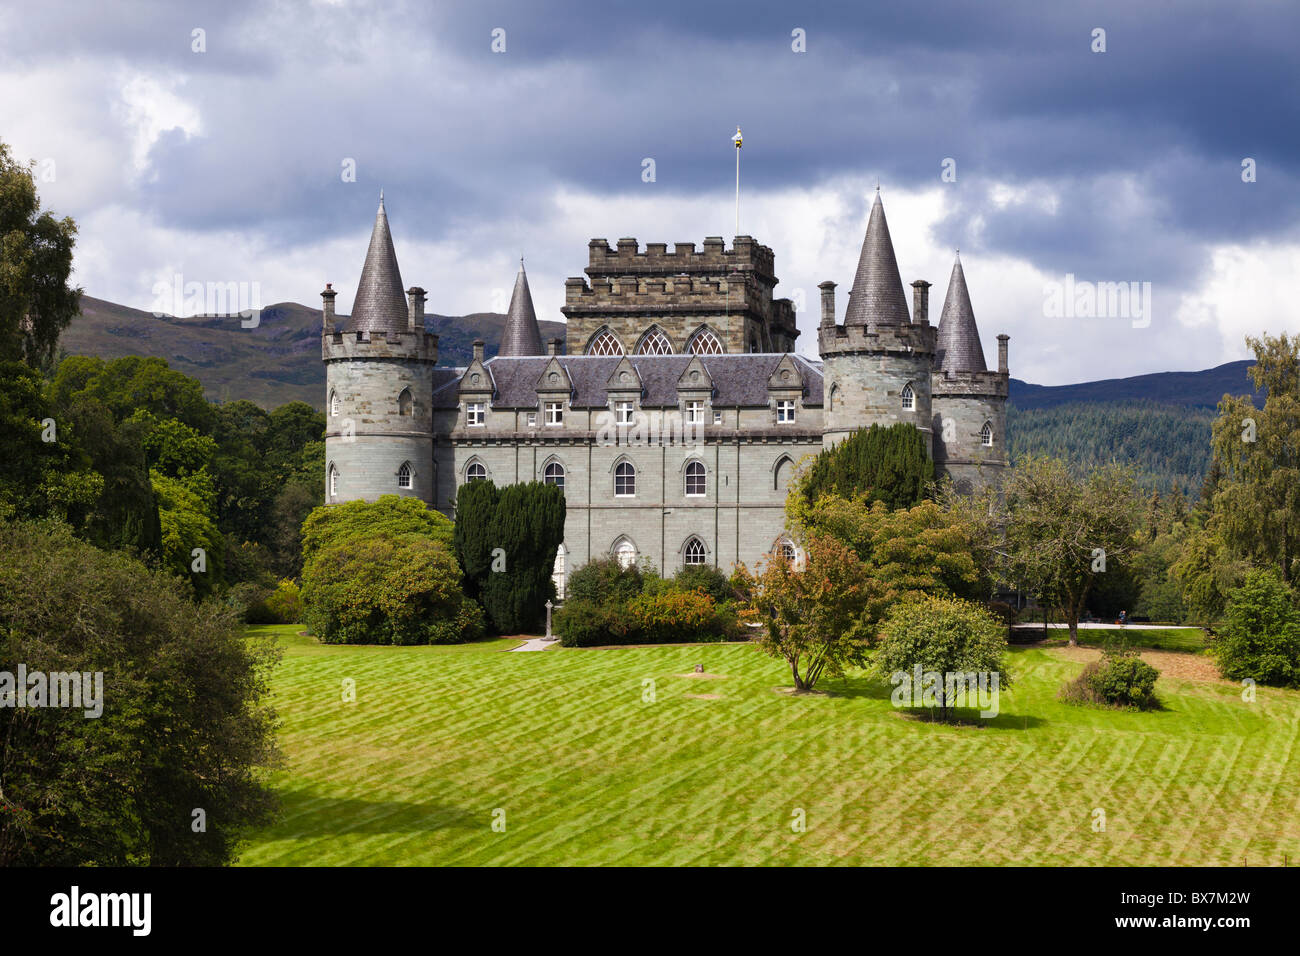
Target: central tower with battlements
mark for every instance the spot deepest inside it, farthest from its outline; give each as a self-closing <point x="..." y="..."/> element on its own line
<point x="709" y="301"/>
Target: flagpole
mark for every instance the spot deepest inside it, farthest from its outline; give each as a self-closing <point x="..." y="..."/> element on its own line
<point x="737" y="140"/>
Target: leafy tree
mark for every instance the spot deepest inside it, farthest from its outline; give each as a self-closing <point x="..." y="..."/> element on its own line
<point x="185" y="513"/>
<point x="1260" y="637"/>
<point x="389" y="516"/>
<point x="886" y="463"/>
<point x="390" y="588"/>
<point x="1063" y="531"/>
<point x="605" y="581"/>
<point x="36" y="302"/>
<point x="942" y="636"/>
<point x="1257" y="500"/>
<point x="185" y="721"/>
<point x="810" y="616"/>
<point x="1206" y="573"/>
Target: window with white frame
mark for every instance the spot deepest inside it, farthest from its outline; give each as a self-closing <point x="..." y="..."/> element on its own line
<point x="554" y="413"/>
<point x="532" y="419"/>
<point x="695" y="413"/>
<point x="986" y="435"/>
<point x="334" y="482"/>
<point x="404" y="475"/>
<point x="694" y="553"/>
<point x="717" y="418"/>
<point x="696" y="480"/>
<point x="705" y="342"/>
<point x="604" y="342"/>
<point x="909" y="397"/>
<point x="474" y="413"/>
<point x="334" y="404"/>
<point x="654" y="343"/>
<point x="475" y="472"/>
<point x="554" y="475"/>
<point x="624" y="480"/>
<point x="788" y="552"/>
<point x="785" y="411"/>
<point x="625" y="553"/>
<point x="624" y="412"/>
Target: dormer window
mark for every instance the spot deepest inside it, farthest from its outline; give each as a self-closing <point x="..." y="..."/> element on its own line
<point x="909" y="397"/>
<point x="785" y="412"/>
<point x="554" y="413"/>
<point x="474" y="413"/>
<point x="695" y="413"/>
<point x="624" y="412"/>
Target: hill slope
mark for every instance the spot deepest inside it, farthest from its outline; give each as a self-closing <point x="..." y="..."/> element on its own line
<point x="276" y="362"/>
<point x="1203" y="388"/>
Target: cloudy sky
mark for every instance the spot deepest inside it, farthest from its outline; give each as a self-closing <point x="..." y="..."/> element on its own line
<point x="223" y="155"/>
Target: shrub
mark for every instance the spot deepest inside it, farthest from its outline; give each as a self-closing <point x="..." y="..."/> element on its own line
<point x="605" y="581"/>
<point x="1260" y="636"/>
<point x="706" y="579"/>
<point x="583" y="623"/>
<point x="672" y="617"/>
<point x="285" y="602"/>
<point x="1119" y="679"/>
<point x="391" y="590"/>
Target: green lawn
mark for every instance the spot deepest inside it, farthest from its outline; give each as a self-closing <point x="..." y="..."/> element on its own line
<point x="1163" y="639"/>
<point x="588" y="773"/>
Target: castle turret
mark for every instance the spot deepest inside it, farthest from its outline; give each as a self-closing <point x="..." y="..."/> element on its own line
<point x="877" y="364"/>
<point x="969" y="402"/>
<point x="521" y="335"/>
<point x="379" y="384"/>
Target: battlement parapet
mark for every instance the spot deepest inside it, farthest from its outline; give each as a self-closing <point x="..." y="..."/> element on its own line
<point x="633" y="292"/>
<point x="859" y="339"/>
<point x="344" y="346"/>
<point x="970" y="384"/>
<point x="745" y="255"/>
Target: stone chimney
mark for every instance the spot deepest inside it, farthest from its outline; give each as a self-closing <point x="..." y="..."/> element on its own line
<point x="1003" y="339"/>
<point x="415" y="309"/>
<point x="556" y="347"/>
<point x="327" y="307"/>
<point x="478" y="350"/>
<point x="921" y="302"/>
<point x="828" y="303"/>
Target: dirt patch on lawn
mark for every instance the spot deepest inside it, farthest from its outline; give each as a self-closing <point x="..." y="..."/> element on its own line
<point x="1177" y="664"/>
<point x="704" y="675"/>
<point x="705" y="696"/>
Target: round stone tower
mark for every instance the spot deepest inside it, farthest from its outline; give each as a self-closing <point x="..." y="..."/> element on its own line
<point x="969" y="401"/>
<point x="379" y="384"/>
<point x="877" y="365"/>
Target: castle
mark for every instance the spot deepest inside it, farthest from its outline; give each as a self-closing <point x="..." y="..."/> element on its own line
<point x="675" y="409"/>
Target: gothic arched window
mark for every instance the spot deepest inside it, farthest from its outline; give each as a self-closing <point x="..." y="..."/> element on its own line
<point x="334" y="404"/>
<point x="654" y="342"/>
<point x="404" y="402"/>
<point x="694" y="552"/>
<point x="909" y="397"/>
<point x="604" y="342"/>
<point x="705" y="342"/>
<point x="695" y="479"/>
<point x="554" y="474"/>
<point x="625" y="553"/>
<point x="475" y="471"/>
<point x="781" y="472"/>
<point x="404" y="475"/>
<point x="334" y="482"/>
<point x="624" y="480"/>
<point x="986" y="435"/>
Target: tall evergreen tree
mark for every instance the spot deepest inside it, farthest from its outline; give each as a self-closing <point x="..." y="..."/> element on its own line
<point x="889" y="464"/>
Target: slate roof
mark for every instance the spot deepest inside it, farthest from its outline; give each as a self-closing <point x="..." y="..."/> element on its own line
<point x="739" y="379"/>
<point x="380" y="304"/>
<point x="877" y="296"/>
<point x="957" y="346"/>
<point x="521" y="335"/>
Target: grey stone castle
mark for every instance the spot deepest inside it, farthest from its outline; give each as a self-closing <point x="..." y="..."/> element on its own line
<point x="678" y="410"/>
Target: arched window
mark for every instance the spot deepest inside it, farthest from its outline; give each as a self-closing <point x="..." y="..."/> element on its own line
<point x="830" y="402"/>
<point x="909" y="397"/>
<point x="781" y="472"/>
<point x="604" y="342"/>
<point x="558" y="572"/>
<point x="334" y="482"/>
<point x="624" y="480"/>
<point x="788" y="552"/>
<point x="404" y="475"/>
<point x="986" y="435"/>
<point x="694" y="552"/>
<point x="654" y="342"/>
<point x="625" y="553"/>
<point x="554" y="474"/>
<point x="475" y="471"/>
<point x="695" y="479"/>
<point x="334" y="404"/>
<point x="404" y="402"/>
<point x="705" y="342"/>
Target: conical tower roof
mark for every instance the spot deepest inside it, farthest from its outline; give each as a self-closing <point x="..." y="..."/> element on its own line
<point x="380" y="305"/>
<point x="521" y="335"/>
<point x="957" y="347"/>
<point x="877" y="296"/>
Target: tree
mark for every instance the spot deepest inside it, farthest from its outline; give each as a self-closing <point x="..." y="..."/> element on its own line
<point x="941" y="636"/>
<point x="506" y="540"/>
<point x="1063" y="531"/>
<point x="36" y="302"/>
<point x="185" y="721"/>
<point x="886" y="463"/>
<point x="1257" y="501"/>
<point x="1260" y="637"/>
<point x="185" y="514"/>
<point x="1206" y="574"/>
<point x="389" y="516"/>
<point x="810" y="615"/>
